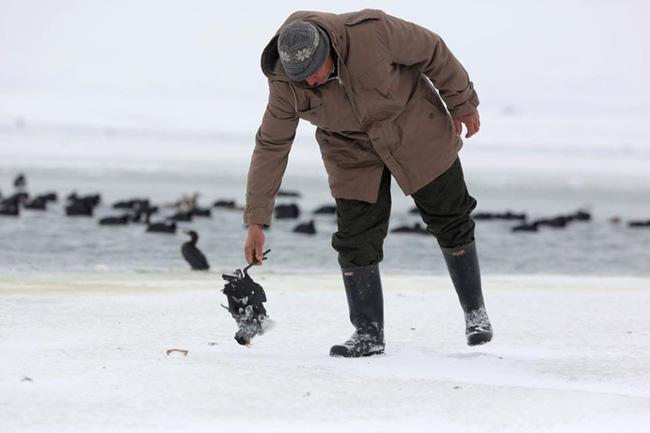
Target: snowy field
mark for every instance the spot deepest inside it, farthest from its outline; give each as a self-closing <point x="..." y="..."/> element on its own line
<point x="88" y="353"/>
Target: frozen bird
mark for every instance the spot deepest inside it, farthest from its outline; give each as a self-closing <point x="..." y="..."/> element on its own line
<point x="192" y="254"/>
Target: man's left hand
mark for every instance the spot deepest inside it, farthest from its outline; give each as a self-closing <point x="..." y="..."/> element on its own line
<point x="472" y="122"/>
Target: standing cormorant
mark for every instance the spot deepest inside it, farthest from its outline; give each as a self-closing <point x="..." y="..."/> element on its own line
<point x="192" y="254"/>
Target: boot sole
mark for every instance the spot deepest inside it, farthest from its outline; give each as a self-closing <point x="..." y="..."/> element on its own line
<point x="363" y="355"/>
<point x="479" y="338"/>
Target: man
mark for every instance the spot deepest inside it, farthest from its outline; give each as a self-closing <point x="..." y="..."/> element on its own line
<point x="365" y="80"/>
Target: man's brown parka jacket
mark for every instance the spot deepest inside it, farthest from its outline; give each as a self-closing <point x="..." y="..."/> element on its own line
<point x="381" y="111"/>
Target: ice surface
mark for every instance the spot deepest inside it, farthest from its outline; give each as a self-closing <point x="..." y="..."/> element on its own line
<point x="570" y="354"/>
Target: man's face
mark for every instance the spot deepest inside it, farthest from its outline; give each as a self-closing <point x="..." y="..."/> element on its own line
<point x="320" y="76"/>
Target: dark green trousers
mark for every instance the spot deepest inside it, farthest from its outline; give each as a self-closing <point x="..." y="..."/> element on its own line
<point x="444" y="205"/>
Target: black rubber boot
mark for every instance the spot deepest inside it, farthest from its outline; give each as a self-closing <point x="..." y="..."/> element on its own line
<point x="366" y="304"/>
<point x="464" y="271"/>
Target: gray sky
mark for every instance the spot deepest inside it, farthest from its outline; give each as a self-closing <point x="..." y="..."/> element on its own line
<point x="525" y="51"/>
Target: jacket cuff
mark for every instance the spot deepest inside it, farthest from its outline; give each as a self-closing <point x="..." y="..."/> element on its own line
<point x="467" y="107"/>
<point x="258" y="215"/>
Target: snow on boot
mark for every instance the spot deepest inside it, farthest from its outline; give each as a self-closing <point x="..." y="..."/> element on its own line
<point x="361" y="343"/>
<point x="366" y="305"/>
<point x="462" y="263"/>
<point x="478" y="329"/>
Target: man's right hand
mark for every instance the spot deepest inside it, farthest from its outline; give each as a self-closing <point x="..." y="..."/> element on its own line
<point x="254" y="248"/>
<point x="472" y="122"/>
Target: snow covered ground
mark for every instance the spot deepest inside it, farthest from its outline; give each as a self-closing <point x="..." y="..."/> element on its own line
<point x="87" y="352"/>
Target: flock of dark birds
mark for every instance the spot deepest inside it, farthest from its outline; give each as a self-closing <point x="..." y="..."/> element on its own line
<point x="524" y="224"/>
<point x="142" y="211"/>
<point x="139" y="210"/>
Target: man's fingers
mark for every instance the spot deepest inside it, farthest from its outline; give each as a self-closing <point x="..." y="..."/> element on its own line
<point x="252" y="253"/>
<point x="248" y="252"/>
<point x="254" y="246"/>
<point x="472" y="128"/>
<point x="259" y="256"/>
<point x="472" y="124"/>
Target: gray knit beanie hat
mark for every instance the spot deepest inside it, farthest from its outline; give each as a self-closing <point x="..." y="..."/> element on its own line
<point x="303" y="48"/>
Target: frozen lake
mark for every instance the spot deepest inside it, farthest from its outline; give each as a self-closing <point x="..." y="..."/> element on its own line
<point x="540" y="176"/>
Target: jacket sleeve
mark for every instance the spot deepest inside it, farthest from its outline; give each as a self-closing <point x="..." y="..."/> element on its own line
<point x="269" y="160"/>
<point x="412" y="45"/>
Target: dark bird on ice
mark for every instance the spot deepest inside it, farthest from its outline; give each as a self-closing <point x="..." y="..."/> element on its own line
<point x="201" y="212"/>
<point x="285" y="193"/>
<point x="226" y="204"/>
<point x="181" y="216"/>
<point x="82" y="206"/>
<point x="115" y="220"/>
<point x="15" y="199"/>
<point x="638" y="224"/>
<point x="37" y="203"/>
<point x="9" y="210"/>
<point x="526" y="227"/>
<point x="192" y="254"/>
<point x="20" y="182"/>
<point x="416" y="228"/>
<point x="79" y="207"/>
<point x="326" y="210"/>
<point x="159" y="227"/>
<point x="308" y="228"/>
<point x="287" y="211"/>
